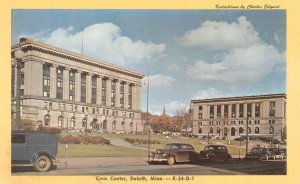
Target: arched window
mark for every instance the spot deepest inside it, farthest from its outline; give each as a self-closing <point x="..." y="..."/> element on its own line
<point x="257" y="130"/>
<point x="84" y="122"/>
<point x="271" y="130"/>
<point x="47" y="120"/>
<point x="131" y="127"/>
<point x="73" y="122"/>
<point x="225" y="131"/>
<point x="114" y="123"/>
<point x="218" y="130"/>
<point x="200" y="130"/>
<point x="60" y="121"/>
<point x="241" y="130"/>
<point x="211" y="130"/>
<point x="123" y="125"/>
<point x="104" y="125"/>
<point x="232" y="131"/>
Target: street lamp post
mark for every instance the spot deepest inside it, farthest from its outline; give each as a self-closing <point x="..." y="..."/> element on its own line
<point x="247" y="133"/>
<point x="19" y="54"/>
<point x="86" y="124"/>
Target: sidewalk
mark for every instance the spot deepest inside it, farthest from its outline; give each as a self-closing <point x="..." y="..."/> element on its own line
<point x="79" y="162"/>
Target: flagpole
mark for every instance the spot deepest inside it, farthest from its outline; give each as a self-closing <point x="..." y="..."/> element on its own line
<point x="147" y="116"/>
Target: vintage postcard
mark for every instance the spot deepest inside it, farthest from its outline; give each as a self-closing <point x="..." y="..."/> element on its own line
<point x="140" y="92"/>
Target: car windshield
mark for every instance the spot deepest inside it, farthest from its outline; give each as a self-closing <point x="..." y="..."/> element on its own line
<point x="209" y="148"/>
<point x="171" y="146"/>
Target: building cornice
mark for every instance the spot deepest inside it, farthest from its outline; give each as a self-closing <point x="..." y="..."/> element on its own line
<point x="29" y="44"/>
<point x="241" y="98"/>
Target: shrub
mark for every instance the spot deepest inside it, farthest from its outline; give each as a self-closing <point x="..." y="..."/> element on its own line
<point x="69" y="139"/>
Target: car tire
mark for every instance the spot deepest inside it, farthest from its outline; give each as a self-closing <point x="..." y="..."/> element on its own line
<point x="42" y="163"/>
<point x="171" y="160"/>
<point x="212" y="158"/>
<point x="227" y="159"/>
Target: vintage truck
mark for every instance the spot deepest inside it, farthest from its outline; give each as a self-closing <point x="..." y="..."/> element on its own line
<point x="34" y="148"/>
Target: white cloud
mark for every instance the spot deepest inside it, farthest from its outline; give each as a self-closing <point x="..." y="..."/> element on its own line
<point x="159" y="81"/>
<point x="173" y="68"/>
<point x="239" y="66"/>
<point x="209" y="93"/>
<point x="171" y="108"/>
<point x="222" y="35"/>
<point x="103" y="41"/>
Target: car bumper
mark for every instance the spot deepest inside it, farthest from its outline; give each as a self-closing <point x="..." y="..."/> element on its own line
<point x="157" y="158"/>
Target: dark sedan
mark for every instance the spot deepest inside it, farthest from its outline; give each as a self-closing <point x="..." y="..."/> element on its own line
<point x="174" y="152"/>
<point x="214" y="153"/>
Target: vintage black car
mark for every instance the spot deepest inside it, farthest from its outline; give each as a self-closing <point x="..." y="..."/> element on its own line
<point x="214" y="153"/>
<point x="259" y="153"/>
<point x="30" y="148"/>
<point x="174" y="152"/>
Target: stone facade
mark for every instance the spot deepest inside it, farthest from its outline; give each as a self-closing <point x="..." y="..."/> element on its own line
<point x="227" y="117"/>
<point x="64" y="89"/>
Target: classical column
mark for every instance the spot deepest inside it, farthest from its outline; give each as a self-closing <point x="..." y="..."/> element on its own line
<point x="126" y="95"/>
<point x="78" y="86"/>
<point x="253" y="110"/>
<point x="99" y="91"/>
<point x="245" y="110"/>
<point x="53" y="80"/>
<point x="33" y="78"/>
<point x="229" y="111"/>
<point x="89" y="88"/>
<point x="222" y="110"/>
<point x="238" y="111"/>
<point x="108" y="92"/>
<point x="117" y="99"/>
<point x="138" y="97"/>
<point x="215" y="111"/>
<point x="66" y="83"/>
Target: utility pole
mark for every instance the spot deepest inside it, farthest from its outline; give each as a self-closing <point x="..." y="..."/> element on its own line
<point x="247" y="134"/>
<point x="147" y="117"/>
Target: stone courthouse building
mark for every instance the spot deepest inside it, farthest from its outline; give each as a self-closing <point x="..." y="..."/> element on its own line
<point x="64" y="89"/>
<point x="227" y="117"/>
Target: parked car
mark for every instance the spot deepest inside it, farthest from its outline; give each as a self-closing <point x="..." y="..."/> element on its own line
<point x="174" y="152"/>
<point x="277" y="153"/>
<point x="36" y="149"/>
<point x="259" y="153"/>
<point x="214" y="153"/>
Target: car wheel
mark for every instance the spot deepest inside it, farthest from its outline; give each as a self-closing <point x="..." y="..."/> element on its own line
<point x="212" y="158"/>
<point x="227" y="159"/>
<point x="171" y="160"/>
<point x="42" y="163"/>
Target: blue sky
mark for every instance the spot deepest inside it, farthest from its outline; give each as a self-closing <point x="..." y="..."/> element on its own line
<point x="190" y="54"/>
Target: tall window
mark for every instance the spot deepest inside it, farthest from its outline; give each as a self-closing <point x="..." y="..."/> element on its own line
<point x="59" y="87"/>
<point x="218" y="130"/>
<point x="94" y="89"/>
<point x="122" y="89"/>
<point x="200" y="130"/>
<point x="130" y="96"/>
<point x="257" y="130"/>
<point x="249" y="109"/>
<point x="60" y="121"/>
<point x="226" y="111"/>
<point x="113" y="93"/>
<point x="233" y="110"/>
<point x="83" y="87"/>
<point x="218" y="110"/>
<point x="73" y="122"/>
<point x="13" y="81"/>
<point x="272" y="109"/>
<point x="103" y="102"/>
<point x="211" y="111"/>
<point x="257" y="109"/>
<point x="211" y="130"/>
<point x="46" y="80"/>
<point x="241" y="110"/>
<point x="47" y="119"/>
<point x="225" y="131"/>
<point x="72" y="85"/>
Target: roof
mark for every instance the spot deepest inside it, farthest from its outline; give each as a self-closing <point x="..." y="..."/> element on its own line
<point x="49" y="49"/>
<point x="241" y="98"/>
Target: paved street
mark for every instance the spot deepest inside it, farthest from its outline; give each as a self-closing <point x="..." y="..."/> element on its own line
<point x="139" y="166"/>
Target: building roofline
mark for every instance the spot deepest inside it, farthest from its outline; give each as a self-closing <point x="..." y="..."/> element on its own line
<point x="239" y="98"/>
<point x="27" y="42"/>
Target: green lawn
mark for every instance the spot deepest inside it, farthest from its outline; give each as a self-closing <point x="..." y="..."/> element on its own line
<point x="97" y="150"/>
<point x="91" y="150"/>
